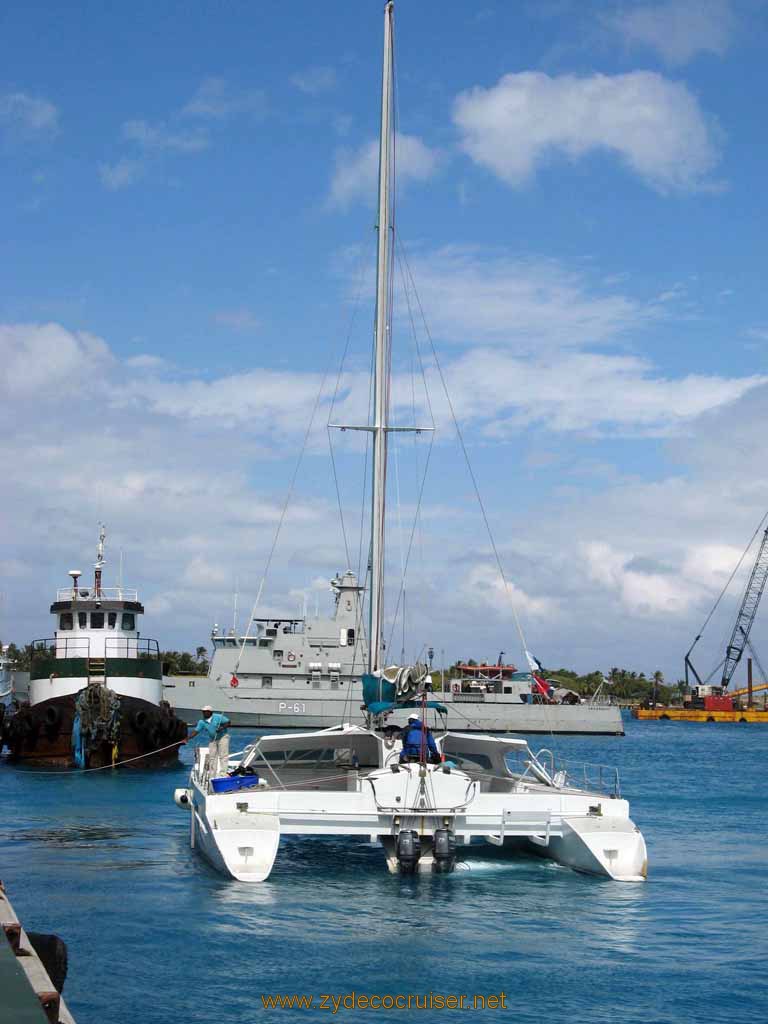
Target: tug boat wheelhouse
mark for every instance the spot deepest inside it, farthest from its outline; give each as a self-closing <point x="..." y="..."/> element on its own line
<point x="95" y="688"/>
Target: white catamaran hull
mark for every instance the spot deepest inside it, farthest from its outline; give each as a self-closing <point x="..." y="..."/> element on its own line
<point x="239" y="832"/>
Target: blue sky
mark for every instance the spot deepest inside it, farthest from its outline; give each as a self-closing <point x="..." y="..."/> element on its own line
<point x="186" y="233"/>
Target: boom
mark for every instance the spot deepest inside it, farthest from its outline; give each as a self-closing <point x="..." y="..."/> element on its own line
<point x="747" y="612"/>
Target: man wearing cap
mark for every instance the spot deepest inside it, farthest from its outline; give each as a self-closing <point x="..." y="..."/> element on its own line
<point x="412" y="739"/>
<point x="214" y="729"/>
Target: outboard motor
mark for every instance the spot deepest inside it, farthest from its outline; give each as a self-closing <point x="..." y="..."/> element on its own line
<point x="443" y="851"/>
<point x="408" y="851"/>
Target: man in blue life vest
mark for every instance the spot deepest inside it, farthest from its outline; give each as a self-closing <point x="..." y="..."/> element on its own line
<point x="412" y="740"/>
<point x="213" y="727"/>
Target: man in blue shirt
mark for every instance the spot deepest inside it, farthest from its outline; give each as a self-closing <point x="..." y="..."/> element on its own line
<point x="412" y="740"/>
<point x="214" y="728"/>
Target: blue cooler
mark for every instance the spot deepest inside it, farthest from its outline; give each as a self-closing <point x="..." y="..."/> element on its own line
<point x="231" y="783"/>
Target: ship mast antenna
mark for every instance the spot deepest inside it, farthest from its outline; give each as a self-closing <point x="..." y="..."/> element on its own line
<point x="99" y="563"/>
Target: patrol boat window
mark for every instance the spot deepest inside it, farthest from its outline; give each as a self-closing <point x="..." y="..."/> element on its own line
<point x="112" y="620"/>
<point x="129" y="621"/>
<point x="82" y="619"/>
<point x="65" y="620"/>
<point x="97" y="620"/>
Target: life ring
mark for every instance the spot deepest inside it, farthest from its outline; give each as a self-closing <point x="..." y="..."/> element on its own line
<point x="234" y="682"/>
<point x="290" y="656"/>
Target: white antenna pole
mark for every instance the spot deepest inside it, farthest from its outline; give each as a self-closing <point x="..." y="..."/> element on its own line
<point x="99" y="564"/>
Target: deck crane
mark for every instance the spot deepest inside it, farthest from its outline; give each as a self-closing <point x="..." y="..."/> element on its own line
<point x="739" y="640"/>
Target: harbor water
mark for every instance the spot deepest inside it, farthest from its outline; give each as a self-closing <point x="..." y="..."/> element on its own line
<point x="157" y="937"/>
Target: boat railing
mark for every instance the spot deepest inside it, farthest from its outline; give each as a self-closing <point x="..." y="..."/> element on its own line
<point x="596" y="778"/>
<point x="91" y="594"/>
<point x="131" y="647"/>
<point x="60" y="647"/>
<point x="599" y="778"/>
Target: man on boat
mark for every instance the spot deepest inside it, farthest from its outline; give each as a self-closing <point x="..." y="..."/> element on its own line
<point x="214" y="728"/>
<point x="414" y="735"/>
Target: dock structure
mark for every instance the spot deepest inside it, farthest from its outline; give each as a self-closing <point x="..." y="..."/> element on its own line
<point x="28" y="994"/>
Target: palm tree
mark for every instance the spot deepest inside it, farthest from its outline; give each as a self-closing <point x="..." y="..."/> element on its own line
<point x="658" y="680"/>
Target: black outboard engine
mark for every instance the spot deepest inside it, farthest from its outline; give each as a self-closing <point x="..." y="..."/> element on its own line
<point x="443" y="851"/>
<point x="408" y="851"/>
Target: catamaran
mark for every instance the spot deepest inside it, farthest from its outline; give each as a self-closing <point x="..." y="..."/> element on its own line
<point x="425" y="808"/>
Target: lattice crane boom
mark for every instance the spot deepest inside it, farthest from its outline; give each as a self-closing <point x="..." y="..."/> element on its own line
<point x="747" y="612"/>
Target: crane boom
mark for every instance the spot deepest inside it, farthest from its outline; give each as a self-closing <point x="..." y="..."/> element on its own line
<point x="747" y="612"/>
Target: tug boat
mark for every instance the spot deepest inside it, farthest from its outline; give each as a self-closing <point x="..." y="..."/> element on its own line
<point x="423" y="807"/>
<point x="95" y="688"/>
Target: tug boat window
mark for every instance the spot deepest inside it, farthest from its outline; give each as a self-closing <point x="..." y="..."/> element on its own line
<point x="65" y="620"/>
<point x="129" y="621"/>
<point x="82" y="619"/>
<point x="112" y="620"/>
<point x="97" y="620"/>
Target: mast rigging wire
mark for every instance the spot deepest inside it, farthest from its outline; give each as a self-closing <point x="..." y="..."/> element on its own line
<point x="462" y="443"/>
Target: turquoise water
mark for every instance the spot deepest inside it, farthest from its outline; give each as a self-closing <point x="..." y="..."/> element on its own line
<point x="155" y="936"/>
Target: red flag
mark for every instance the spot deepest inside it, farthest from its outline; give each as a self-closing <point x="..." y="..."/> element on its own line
<point x="540" y="685"/>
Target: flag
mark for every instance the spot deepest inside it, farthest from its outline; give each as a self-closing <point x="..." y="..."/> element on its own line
<point x="533" y="663"/>
<point x="537" y="674"/>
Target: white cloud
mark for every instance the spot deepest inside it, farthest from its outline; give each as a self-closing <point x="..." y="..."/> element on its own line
<point x="145" y="361"/>
<point x="483" y="584"/>
<point x="242" y="320"/>
<point x="122" y="173"/>
<point x="522" y="304"/>
<point x="642" y="593"/>
<point x="655" y="125"/>
<point x="39" y="358"/>
<point x="678" y="29"/>
<point x="215" y="99"/>
<point x="356" y="171"/>
<point x="315" y="80"/>
<point x="159" y="137"/>
<point x="28" y="115"/>
<point x="584" y="391"/>
<point x="191" y="485"/>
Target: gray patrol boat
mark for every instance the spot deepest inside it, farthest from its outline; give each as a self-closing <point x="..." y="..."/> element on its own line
<point x="305" y="673"/>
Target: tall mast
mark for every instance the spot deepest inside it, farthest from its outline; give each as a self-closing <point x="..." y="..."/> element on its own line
<point x="381" y="354"/>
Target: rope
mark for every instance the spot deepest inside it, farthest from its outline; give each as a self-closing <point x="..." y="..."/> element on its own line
<point x="84" y="771"/>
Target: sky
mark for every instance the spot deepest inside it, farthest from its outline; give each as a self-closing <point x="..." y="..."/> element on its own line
<point x="187" y="249"/>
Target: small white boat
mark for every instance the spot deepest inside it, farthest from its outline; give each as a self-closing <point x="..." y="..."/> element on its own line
<point x="350" y="781"/>
<point x="358" y="781"/>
